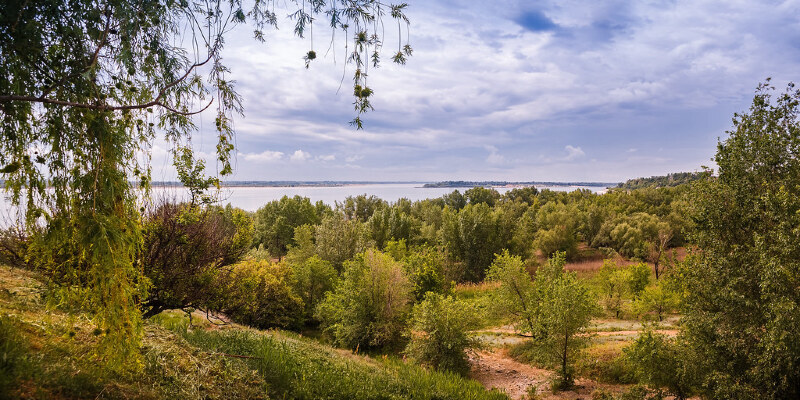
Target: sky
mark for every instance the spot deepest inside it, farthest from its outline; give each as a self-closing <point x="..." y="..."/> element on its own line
<point x="508" y="90"/>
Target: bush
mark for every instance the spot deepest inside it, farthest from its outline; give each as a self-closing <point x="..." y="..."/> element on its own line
<point x="311" y="280"/>
<point x="662" y="363"/>
<point x="425" y="268"/>
<point x="440" y="333"/>
<point x="368" y="309"/>
<point x="657" y="300"/>
<point x="259" y="293"/>
<point x="339" y="240"/>
<point x="185" y="248"/>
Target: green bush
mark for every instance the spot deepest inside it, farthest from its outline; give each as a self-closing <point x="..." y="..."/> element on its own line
<point x="368" y="308"/>
<point x="311" y="280"/>
<point x="660" y="363"/>
<point x="259" y="293"/>
<point x="425" y="268"/>
<point x="440" y="333"/>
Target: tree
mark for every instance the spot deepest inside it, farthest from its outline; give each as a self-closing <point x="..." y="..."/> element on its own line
<point x="658" y="299"/>
<point x="564" y="310"/>
<point x="185" y="249"/>
<point x="276" y="221"/>
<point x="516" y="294"/>
<point x="440" y="335"/>
<point x="85" y="89"/>
<point x="662" y="363"/>
<point x="659" y="246"/>
<point x="613" y="284"/>
<point x="338" y="240"/>
<point x="741" y="303"/>
<point x="558" y="225"/>
<point x="472" y="237"/>
<point x="480" y="194"/>
<point x="311" y="280"/>
<point x="425" y="266"/>
<point x="259" y="293"/>
<point x="369" y="307"/>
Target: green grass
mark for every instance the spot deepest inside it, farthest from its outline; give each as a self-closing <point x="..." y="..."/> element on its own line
<point x="479" y="297"/>
<point x="47" y="354"/>
<point x="299" y="368"/>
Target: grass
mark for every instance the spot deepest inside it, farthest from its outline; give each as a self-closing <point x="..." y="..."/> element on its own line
<point x="47" y="354"/>
<point x="479" y="297"/>
<point x="295" y="367"/>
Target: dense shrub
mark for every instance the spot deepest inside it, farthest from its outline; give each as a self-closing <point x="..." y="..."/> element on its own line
<point x="259" y="293"/>
<point x="440" y="334"/>
<point x="276" y="221"/>
<point x="660" y="363"/>
<point x="425" y="268"/>
<point x="369" y="307"/>
<point x="185" y="248"/>
<point x="338" y="240"/>
<point x="311" y="280"/>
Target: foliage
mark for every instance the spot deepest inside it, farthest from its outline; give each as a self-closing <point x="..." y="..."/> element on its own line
<point x="672" y="179"/>
<point x="311" y="280"/>
<point x="368" y="308"/>
<point x="658" y="300"/>
<point x="638" y="278"/>
<point x="612" y="283"/>
<point x="184" y="250"/>
<point x="480" y="194"/>
<point x="472" y="237"/>
<point x="338" y="240"/>
<point x="360" y="207"/>
<point x="558" y="226"/>
<point x="388" y="224"/>
<point x="86" y="88"/>
<point x="425" y="268"/>
<point x="516" y="294"/>
<point x="563" y="312"/>
<point x="298" y="368"/>
<point x="259" y="293"/>
<point x="304" y="247"/>
<point x="276" y="221"/>
<point x="440" y="333"/>
<point x="661" y="363"/>
<point x="741" y="300"/>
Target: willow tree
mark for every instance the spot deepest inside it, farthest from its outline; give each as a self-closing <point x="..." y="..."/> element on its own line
<point x="88" y="85"/>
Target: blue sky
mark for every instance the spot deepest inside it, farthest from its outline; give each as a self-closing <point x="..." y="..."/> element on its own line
<point x="511" y="90"/>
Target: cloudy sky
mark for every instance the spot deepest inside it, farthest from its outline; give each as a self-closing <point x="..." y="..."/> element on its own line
<point x="512" y="90"/>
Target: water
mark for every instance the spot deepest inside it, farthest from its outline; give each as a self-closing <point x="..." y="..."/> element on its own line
<point x="251" y="198"/>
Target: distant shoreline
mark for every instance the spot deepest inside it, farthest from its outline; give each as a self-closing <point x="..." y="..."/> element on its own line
<point x="447" y="184"/>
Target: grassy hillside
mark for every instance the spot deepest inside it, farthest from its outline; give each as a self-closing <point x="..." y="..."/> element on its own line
<point x="47" y="354"/>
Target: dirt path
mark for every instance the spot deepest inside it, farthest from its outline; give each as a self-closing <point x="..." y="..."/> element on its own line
<point x="494" y="369"/>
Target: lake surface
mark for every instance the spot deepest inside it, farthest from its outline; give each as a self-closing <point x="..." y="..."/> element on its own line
<point x="251" y="198"/>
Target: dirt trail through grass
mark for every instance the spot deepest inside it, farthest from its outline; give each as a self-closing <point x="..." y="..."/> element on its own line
<point x="494" y="369"/>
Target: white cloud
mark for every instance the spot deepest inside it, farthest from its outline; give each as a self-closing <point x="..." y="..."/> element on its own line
<point x="264" y="156"/>
<point x="573" y="152"/>
<point x="494" y="156"/>
<point x="351" y="159"/>
<point x="300" y="156"/>
<point x="329" y="157"/>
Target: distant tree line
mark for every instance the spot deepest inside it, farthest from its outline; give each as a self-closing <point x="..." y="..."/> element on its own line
<point x="669" y="180"/>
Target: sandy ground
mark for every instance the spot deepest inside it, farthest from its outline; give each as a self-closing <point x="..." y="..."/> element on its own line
<point x="494" y="369"/>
